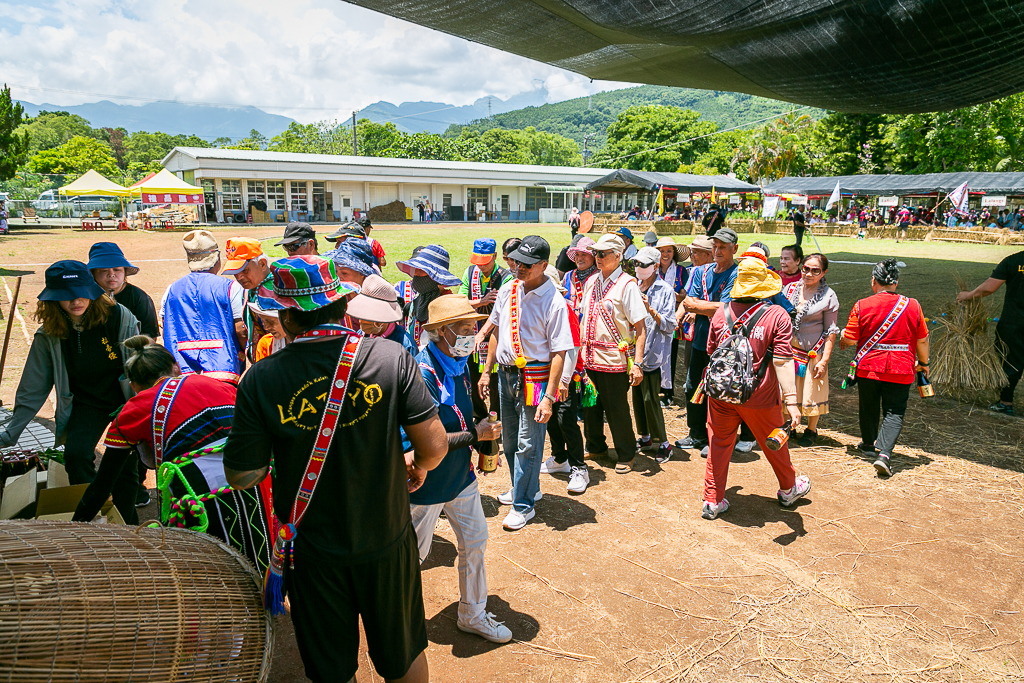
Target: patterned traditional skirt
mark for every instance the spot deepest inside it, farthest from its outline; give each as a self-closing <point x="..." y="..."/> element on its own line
<point x="194" y="494"/>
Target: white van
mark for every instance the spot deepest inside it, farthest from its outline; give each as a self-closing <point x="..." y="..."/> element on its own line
<point x="48" y="201"/>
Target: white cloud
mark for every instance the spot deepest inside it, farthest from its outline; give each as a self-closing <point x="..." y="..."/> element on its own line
<point x="308" y="59"/>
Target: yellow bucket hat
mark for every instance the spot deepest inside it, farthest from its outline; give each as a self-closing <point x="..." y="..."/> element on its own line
<point x="754" y="280"/>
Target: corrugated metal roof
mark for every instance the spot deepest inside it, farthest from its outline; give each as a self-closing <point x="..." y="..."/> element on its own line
<point x="385" y="162"/>
<point x="650" y="181"/>
<point x="901" y="185"/>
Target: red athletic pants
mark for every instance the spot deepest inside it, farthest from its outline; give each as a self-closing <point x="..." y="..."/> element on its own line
<point x="723" y="421"/>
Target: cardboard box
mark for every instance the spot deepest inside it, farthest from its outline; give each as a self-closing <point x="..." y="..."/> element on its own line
<point x="19" y="497"/>
<point x="57" y="476"/>
<point x="61" y="503"/>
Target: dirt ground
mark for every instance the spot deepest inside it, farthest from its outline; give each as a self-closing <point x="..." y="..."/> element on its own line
<point x="915" y="578"/>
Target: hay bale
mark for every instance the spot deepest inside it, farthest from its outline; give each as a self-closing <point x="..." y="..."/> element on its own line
<point x="965" y="362"/>
<point x="388" y="213"/>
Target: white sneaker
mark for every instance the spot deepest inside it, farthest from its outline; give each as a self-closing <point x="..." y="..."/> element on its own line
<point x="549" y="466"/>
<point x="745" y="446"/>
<point x="486" y="626"/>
<point x="710" y="511"/>
<point x="800" y="489"/>
<point x="579" y="480"/>
<point x="508" y="497"/>
<point x="516" y="520"/>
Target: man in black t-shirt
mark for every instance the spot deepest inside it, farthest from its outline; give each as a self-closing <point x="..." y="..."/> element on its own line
<point x="1010" y="328"/>
<point x="355" y="551"/>
<point x="799" y="226"/>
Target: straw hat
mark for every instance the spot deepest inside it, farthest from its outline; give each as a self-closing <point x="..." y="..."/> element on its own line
<point x="754" y="280"/>
<point x="201" y="250"/>
<point x="449" y="308"/>
<point x="682" y="251"/>
<point x="376" y="302"/>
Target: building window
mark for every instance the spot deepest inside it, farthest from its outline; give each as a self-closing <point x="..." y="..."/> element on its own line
<point x="477" y="195"/>
<point x="299" y="196"/>
<point x="536" y="198"/>
<point x="446" y="202"/>
<point x="231" y="194"/>
<point x="275" y="195"/>
<point x="256" y="190"/>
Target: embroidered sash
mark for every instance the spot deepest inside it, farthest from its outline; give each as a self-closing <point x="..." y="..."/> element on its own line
<point x="535" y="381"/>
<point x="801" y="357"/>
<point x="895" y="314"/>
<point x="514" y="319"/>
<point x="161" y="410"/>
<point x="597" y="296"/>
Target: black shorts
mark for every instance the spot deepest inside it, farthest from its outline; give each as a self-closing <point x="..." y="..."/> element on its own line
<point x="327" y="600"/>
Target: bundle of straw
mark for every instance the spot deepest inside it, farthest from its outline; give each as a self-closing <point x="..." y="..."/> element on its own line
<point x="965" y="361"/>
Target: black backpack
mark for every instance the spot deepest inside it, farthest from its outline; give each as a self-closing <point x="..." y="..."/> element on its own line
<point x="730" y="376"/>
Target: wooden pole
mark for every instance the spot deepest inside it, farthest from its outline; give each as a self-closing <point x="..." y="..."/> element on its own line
<point x="10" y="323"/>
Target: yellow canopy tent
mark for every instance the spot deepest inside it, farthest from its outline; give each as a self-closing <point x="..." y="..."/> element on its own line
<point x="93" y="183"/>
<point x="166" y="188"/>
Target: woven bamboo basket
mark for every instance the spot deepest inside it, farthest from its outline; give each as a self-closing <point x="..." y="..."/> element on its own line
<point x="93" y="602"/>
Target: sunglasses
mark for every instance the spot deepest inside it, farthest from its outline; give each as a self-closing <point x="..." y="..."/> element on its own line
<point x="601" y="254"/>
<point x="294" y="246"/>
<point x="519" y="264"/>
<point x="811" y="271"/>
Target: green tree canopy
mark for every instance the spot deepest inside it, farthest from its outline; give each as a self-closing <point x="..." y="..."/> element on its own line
<point x="655" y="138"/>
<point x="75" y="157"/>
<point x="51" y="129"/>
<point x="14" y="144"/>
<point x="321" y="137"/>
<point x="146" y="148"/>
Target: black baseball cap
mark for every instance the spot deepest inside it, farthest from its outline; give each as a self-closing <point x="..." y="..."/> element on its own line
<point x="532" y="249"/>
<point x="351" y="229"/>
<point x="297" y="232"/>
<point x="364" y="220"/>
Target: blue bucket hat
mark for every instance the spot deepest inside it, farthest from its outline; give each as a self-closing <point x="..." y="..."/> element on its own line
<point x="109" y="255"/>
<point x="355" y="255"/>
<point x="69" y="280"/>
<point x="433" y="259"/>
<point x="625" y="232"/>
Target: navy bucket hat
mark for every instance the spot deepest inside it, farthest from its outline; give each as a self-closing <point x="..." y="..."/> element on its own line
<point x="109" y="255"/>
<point x="433" y="259"/>
<point x="69" y="280"/>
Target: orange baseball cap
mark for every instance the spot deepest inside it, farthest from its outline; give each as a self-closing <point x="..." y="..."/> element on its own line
<point x="239" y="252"/>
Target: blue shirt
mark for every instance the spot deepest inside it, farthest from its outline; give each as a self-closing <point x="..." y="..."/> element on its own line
<point x="445" y="482"/>
<point x="719" y="288"/>
<point x="402" y="336"/>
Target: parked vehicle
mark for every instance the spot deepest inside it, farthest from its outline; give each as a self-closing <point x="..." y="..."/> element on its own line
<point x="48" y="201"/>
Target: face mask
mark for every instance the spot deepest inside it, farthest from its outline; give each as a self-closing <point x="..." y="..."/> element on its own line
<point x="372" y="329"/>
<point x="422" y="284"/>
<point x="645" y="272"/>
<point x="462" y="346"/>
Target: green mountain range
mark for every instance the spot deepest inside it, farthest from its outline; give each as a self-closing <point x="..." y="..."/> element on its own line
<point x="591" y="116"/>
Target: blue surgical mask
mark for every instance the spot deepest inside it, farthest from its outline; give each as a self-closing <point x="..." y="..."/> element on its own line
<point x="462" y="346"/>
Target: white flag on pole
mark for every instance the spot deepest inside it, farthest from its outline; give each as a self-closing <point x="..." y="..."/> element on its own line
<point x="835" y="196"/>
<point x="958" y="198"/>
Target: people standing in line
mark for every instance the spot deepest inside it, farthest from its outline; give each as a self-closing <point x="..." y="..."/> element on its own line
<point x="299" y="240"/>
<point x="563" y="428"/>
<point x="203" y="313"/>
<point x="614" y="339"/>
<point x="799" y="226"/>
<point x="790" y="259"/>
<point x="480" y="284"/>
<point x="452" y="487"/>
<point x="672" y="271"/>
<point x="251" y="270"/>
<point x="1010" y="328"/>
<point x="709" y="289"/>
<point x="891" y="337"/>
<point x="700" y="255"/>
<point x="529" y="342"/>
<point x="659" y="301"/>
<point x="169" y="417"/>
<point x="76" y="351"/>
<point x="351" y="548"/>
<point x="431" y="278"/>
<point x="626" y="235"/>
<point x="769" y="332"/>
<point x="713" y="220"/>
<point x="814" y="336"/>
<point x="377" y="310"/>
<point x="111" y="270"/>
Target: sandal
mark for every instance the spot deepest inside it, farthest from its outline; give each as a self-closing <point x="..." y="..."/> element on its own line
<point x="623" y="468"/>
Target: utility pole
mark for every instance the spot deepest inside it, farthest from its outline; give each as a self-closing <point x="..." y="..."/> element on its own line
<point x="355" y="149"/>
<point x="586" y="152"/>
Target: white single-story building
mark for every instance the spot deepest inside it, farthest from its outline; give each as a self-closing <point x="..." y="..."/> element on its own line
<point x="325" y="187"/>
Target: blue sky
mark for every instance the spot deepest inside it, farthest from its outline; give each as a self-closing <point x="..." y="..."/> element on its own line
<point x="308" y="59"/>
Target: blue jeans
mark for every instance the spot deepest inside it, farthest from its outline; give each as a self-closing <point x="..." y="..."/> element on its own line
<point x="522" y="438"/>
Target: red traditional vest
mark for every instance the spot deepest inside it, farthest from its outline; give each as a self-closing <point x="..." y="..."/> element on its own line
<point x="896" y="352"/>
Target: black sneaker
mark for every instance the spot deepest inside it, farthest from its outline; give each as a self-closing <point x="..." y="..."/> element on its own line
<point x="882" y="466"/>
<point x="690" y="443"/>
<point x="142" y="498"/>
<point x="868" y="450"/>
<point x="1000" y="407"/>
<point x="644" y="444"/>
<point x="663" y="454"/>
<point x="807" y="439"/>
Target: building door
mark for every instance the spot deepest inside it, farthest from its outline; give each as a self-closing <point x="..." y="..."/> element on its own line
<point x="505" y="207"/>
<point x="477" y="199"/>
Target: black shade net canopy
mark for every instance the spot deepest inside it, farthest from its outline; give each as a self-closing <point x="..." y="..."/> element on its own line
<point x="901" y="185"/>
<point x="867" y="56"/>
<point x="625" y="180"/>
